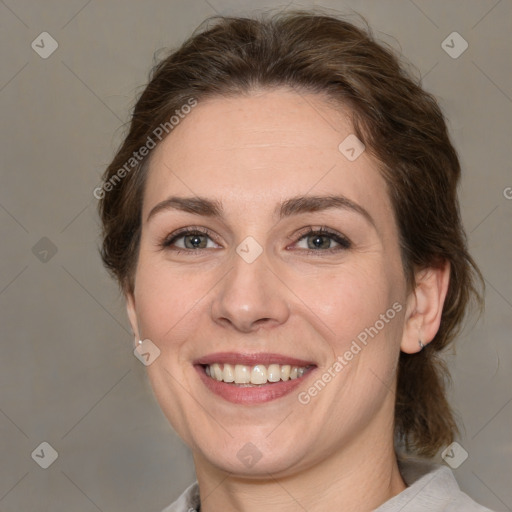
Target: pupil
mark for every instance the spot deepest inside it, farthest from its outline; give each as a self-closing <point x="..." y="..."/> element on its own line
<point x="194" y="242"/>
<point x="319" y="241"/>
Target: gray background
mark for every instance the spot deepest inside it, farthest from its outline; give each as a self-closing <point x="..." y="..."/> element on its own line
<point x="67" y="372"/>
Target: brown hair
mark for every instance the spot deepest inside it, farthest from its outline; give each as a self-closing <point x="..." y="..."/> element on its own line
<point x="401" y="125"/>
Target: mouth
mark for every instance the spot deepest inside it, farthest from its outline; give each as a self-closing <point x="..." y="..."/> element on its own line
<point x="258" y="375"/>
<point x="252" y="378"/>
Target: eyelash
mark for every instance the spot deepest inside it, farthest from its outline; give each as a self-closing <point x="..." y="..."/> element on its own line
<point x="344" y="243"/>
<point x="193" y="230"/>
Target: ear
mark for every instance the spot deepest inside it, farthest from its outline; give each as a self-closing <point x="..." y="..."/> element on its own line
<point x="425" y="307"/>
<point x="132" y="315"/>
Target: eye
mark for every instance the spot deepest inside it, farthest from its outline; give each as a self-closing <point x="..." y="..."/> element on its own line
<point x="189" y="239"/>
<point x="322" y="240"/>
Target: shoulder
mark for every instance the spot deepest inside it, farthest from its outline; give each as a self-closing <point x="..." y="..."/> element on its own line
<point x="431" y="488"/>
<point x="187" y="502"/>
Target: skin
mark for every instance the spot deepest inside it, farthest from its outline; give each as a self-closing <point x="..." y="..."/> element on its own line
<point x="251" y="153"/>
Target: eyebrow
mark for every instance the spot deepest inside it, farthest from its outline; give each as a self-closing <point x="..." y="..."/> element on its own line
<point x="293" y="206"/>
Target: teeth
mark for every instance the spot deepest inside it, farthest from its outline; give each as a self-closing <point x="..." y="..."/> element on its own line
<point x="274" y="373"/>
<point x="217" y="372"/>
<point x="242" y="374"/>
<point x="256" y="375"/>
<point x="259" y="374"/>
<point x="229" y="374"/>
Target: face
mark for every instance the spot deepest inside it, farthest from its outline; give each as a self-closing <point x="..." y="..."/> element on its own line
<point x="268" y="256"/>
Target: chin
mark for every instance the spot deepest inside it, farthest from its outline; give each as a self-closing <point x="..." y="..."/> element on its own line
<point x="254" y="455"/>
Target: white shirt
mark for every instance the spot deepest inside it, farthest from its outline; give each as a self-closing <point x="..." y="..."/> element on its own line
<point x="430" y="488"/>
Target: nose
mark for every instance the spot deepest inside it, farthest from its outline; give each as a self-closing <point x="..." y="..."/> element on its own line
<point x="250" y="297"/>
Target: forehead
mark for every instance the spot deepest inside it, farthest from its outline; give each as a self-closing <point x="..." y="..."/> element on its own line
<point x="257" y="149"/>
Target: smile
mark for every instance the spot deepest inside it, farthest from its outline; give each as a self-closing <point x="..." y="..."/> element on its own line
<point x="252" y="378"/>
<point x="254" y="375"/>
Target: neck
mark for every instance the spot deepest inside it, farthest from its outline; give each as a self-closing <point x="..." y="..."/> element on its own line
<point x="356" y="479"/>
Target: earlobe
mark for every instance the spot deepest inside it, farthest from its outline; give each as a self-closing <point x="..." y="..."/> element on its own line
<point x="132" y="315"/>
<point x="425" y="308"/>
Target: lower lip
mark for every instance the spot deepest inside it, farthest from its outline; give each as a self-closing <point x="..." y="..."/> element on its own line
<point x="250" y="394"/>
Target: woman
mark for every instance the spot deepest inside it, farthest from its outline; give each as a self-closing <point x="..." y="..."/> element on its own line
<point x="282" y="218"/>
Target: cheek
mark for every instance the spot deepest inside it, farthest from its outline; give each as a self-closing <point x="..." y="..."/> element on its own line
<point x="348" y="299"/>
<point x="167" y="299"/>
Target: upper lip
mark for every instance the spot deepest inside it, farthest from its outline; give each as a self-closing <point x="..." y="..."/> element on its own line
<point x="264" y="358"/>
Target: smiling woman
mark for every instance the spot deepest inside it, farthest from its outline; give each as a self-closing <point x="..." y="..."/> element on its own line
<point x="294" y="250"/>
